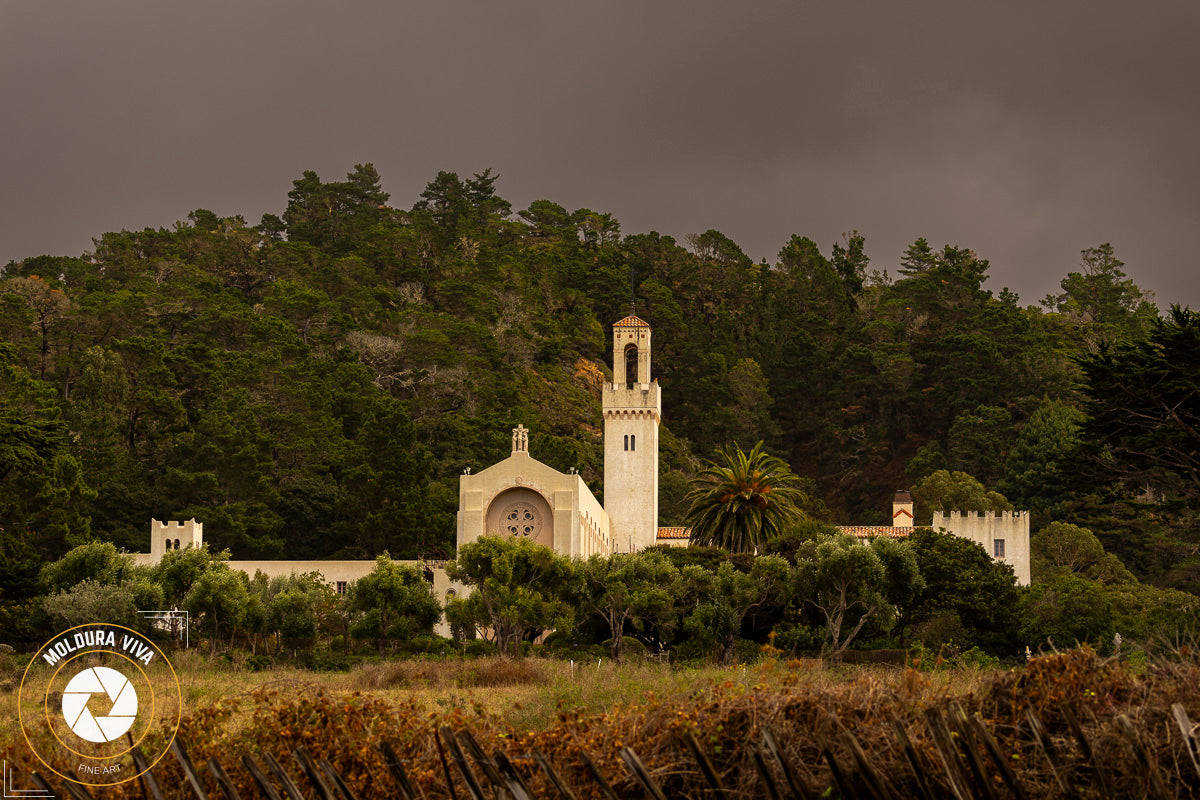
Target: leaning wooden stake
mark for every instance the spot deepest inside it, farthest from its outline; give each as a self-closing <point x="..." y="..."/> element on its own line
<point x="993" y="750"/>
<point x="471" y="747"/>
<point x="706" y="766"/>
<point x="841" y="781"/>
<point x="460" y="761"/>
<point x="639" y="771"/>
<point x="799" y="788"/>
<point x="76" y="790"/>
<point x="149" y="783"/>
<point x="764" y="774"/>
<point x="1149" y="767"/>
<point x="943" y="743"/>
<point x="223" y="782"/>
<point x="1047" y="747"/>
<point x="264" y="783"/>
<point x="335" y="780"/>
<point x="407" y="792"/>
<point x="553" y="775"/>
<point x="877" y="784"/>
<point x="285" y="780"/>
<point x="1085" y="747"/>
<point x="44" y="785"/>
<point x="601" y="781"/>
<point x="437" y="739"/>
<point x="910" y="755"/>
<point x="190" y="771"/>
<point x="313" y="772"/>
<point x="1189" y="734"/>
<point x="966" y="747"/>
<point x="512" y="778"/>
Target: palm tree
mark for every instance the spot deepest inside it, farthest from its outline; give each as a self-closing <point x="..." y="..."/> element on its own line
<point x="745" y="502"/>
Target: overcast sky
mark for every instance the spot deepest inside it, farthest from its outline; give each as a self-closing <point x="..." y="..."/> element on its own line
<point x="1026" y="131"/>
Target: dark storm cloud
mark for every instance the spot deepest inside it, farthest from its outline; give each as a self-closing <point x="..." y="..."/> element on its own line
<point x="1025" y="132"/>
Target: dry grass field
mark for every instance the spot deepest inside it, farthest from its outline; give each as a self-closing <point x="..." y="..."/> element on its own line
<point x="818" y="714"/>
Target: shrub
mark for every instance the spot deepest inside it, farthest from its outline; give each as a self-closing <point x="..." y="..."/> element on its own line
<point x="259" y="662"/>
<point x="325" y="661"/>
<point x="977" y="659"/>
<point x="427" y="644"/>
<point x="478" y="647"/>
<point x="747" y="651"/>
<point x="631" y="647"/>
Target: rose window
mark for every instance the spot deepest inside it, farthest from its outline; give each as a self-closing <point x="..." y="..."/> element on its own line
<point x="521" y="519"/>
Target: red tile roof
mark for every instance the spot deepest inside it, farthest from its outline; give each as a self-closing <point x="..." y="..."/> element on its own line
<point x="674" y="533"/>
<point x="875" y="531"/>
<point x="632" y="321"/>
<point x="860" y="531"/>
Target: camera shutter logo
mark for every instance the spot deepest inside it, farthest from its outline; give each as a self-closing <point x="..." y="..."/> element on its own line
<point x="102" y="681"/>
<point x="99" y="704"/>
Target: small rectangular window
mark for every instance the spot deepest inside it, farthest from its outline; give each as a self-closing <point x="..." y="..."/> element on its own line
<point x="998" y="548"/>
<point x="632" y="442"/>
<point x="341" y="587"/>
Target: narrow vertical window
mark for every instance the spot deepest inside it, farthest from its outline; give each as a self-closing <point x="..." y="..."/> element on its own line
<point x="176" y="544"/>
<point x="627" y="441"/>
<point x="998" y="548"/>
<point x="632" y="442"/>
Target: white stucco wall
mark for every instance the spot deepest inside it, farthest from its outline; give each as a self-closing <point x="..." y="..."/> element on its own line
<point x="631" y="476"/>
<point x="1012" y="527"/>
<point x="332" y="572"/>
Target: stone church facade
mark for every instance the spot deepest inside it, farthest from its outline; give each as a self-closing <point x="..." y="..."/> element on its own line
<point x="521" y="496"/>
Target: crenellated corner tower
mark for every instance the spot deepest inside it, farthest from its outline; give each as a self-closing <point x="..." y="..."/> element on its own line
<point x="632" y="411"/>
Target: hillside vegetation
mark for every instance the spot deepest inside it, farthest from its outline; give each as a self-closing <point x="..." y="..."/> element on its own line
<point x="313" y="385"/>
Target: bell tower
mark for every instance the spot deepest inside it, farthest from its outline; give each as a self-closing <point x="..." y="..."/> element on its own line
<point x="632" y="410"/>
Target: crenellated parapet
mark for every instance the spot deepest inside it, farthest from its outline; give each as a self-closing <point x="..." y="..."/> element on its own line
<point x="981" y="514"/>
<point x="651" y="413"/>
<point x="171" y="535"/>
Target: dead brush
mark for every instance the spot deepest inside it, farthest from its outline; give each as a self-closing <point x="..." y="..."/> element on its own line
<point x="845" y="732"/>
<point x="407" y="674"/>
<point x="497" y="671"/>
<point x="1076" y="678"/>
<point x="463" y="674"/>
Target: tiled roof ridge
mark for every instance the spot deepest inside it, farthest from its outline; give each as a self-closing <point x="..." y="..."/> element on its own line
<point x="674" y="533"/>
<point x="890" y="531"/>
<point x="632" y="321"/>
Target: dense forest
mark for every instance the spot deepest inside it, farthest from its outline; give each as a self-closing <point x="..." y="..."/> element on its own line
<point x="313" y="385"/>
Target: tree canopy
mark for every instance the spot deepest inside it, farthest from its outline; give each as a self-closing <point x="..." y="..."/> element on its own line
<point x="743" y="502"/>
<point x="518" y="589"/>
<point x="313" y="385"/>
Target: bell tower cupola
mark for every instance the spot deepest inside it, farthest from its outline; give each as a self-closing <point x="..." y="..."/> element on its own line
<point x="632" y="412"/>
